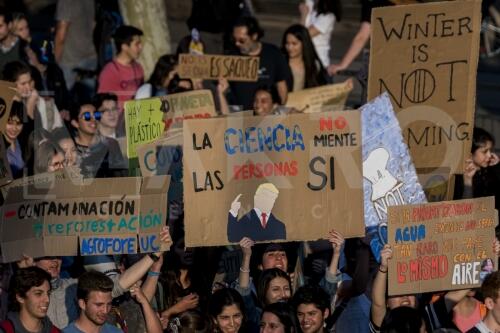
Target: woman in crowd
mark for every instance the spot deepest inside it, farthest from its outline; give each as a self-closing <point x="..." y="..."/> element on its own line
<point x="305" y="65"/>
<point x="13" y="129"/>
<point x="279" y="318"/>
<point x="227" y="311"/>
<point x="163" y="73"/>
<point x="482" y="170"/>
<point x="49" y="157"/>
<point x="319" y="17"/>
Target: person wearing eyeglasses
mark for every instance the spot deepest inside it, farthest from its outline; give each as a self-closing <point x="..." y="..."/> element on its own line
<point x="49" y="157"/>
<point x="100" y="156"/>
<point x="107" y="104"/>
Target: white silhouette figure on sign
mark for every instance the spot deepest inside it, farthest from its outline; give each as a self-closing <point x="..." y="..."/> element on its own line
<point x="375" y="170"/>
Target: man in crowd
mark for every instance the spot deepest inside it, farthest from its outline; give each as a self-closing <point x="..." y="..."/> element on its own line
<point x="490" y="290"/>
<point x="94" y="299"/>
<point x="73" y="46"/>
<point x="124" y="75"/>
<point x="107" y="105"/>
<point x="29" y="291"/>
<point x="11" y="46"/>
<point x="100" y="156"/>
<point x="273" y="67"/>
<point x="312" y="305"/>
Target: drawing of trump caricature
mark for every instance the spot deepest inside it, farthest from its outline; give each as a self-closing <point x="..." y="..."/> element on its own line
<point x="259" y="224"/>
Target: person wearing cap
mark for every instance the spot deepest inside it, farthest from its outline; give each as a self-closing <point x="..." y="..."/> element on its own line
<point x="63" y="307"/>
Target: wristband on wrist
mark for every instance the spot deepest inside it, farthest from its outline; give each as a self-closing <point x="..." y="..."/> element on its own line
<point x="244" y="270"/>
<point x="382" y="271"/>
<point x="151" y="273"/>
<point x="154" y="257"/>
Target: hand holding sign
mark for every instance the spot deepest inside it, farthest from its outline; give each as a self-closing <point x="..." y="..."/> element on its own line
<point x="165" y="239"/>
<point x="336" y="239"/>
<point x="385" y="255"/>
<point x="236" y="205"/>
<point x="246" y="246"/>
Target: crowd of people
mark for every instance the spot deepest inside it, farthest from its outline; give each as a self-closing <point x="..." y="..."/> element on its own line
<point x="68" y="114"/>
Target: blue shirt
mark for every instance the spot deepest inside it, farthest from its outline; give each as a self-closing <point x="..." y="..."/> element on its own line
<point x="106" y="328"/>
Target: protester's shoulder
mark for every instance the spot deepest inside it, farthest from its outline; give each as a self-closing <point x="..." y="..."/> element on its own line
<point x="71" y="328"/>
<point x="108" y="328"/>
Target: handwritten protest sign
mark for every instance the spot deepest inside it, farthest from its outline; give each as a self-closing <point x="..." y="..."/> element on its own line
<point x="389" y="177"/>
<point x="143" y="122"/>
<point x="441" y="246"/>
<point x="148" y="119"/>
<point x="7" y="93"/>
<point x="425" y="56"/>
<point x="300" y="172"/>
<point x="187" y="105"/>
<point x="157" y="155"/>
<point x="331" y="97"/>
<point x="98" y="216"/>
<point x="213" y="67"/>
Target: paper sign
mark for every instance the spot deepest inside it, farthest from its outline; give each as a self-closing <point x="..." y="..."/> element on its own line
<point x="160" y="154"/>
<point x="7" y="93"/>
<point x="213" y="67"/>
<point x="98" y="216"/>
<point x="441" y="246"/>
<point x="188" y="105"/>
<point x="303" y="171"/>
<point x="425" y="56"/>
<point x="143" y="122"/>
<point x="389" y="177"/>
<point x="331" y="97"/>
<point x="44" y="180"/>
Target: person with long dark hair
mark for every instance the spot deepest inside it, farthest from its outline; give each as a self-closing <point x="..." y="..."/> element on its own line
<point x="279" y="318"/>
<point x="319" y="16"/>
<point x="227" y="311"/>
<point x="305" y="65"/>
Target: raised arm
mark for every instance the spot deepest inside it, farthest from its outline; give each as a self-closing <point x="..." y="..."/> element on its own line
<point x="378" y="308"/>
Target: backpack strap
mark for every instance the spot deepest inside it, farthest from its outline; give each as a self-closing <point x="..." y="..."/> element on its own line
<point x="7" y="326"/>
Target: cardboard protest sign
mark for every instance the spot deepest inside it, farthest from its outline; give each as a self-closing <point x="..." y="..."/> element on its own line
<point x="7" y="93"/>
<point x="436" y="183"/>
<point x="44" y="180"/>
<point x="97" y="216"/>
<point x="441" y="246"/>
<point x="5" y="171"/>
<point x="389" y="177"/>
<point x="187" y="105"/>
<point x="331" y="97"/>
<point x="148" y="119"/>
<point x="143" y="122"/>
<point x="303" y="171"/>
<point x="425" y="56"/>
<point x="213" y="67"/>
<point x="157" y="155"/>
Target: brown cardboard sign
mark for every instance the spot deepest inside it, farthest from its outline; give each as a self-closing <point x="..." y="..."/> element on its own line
<point x="97" y="216"/>
<point x="331" y="97"/>
<point x="441" y="246"/>
<point x="437" y="183"/>
<point x="425" y="56"/>
<point x="7" y="93"/>
<point x="302" y="171"/>
<point x="159" y="154"/>
<point x="188" y="105"/>
<point x="213" y="67"/>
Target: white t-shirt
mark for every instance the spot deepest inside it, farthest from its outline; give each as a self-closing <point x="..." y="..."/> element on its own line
<point x="324" y="23"/>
